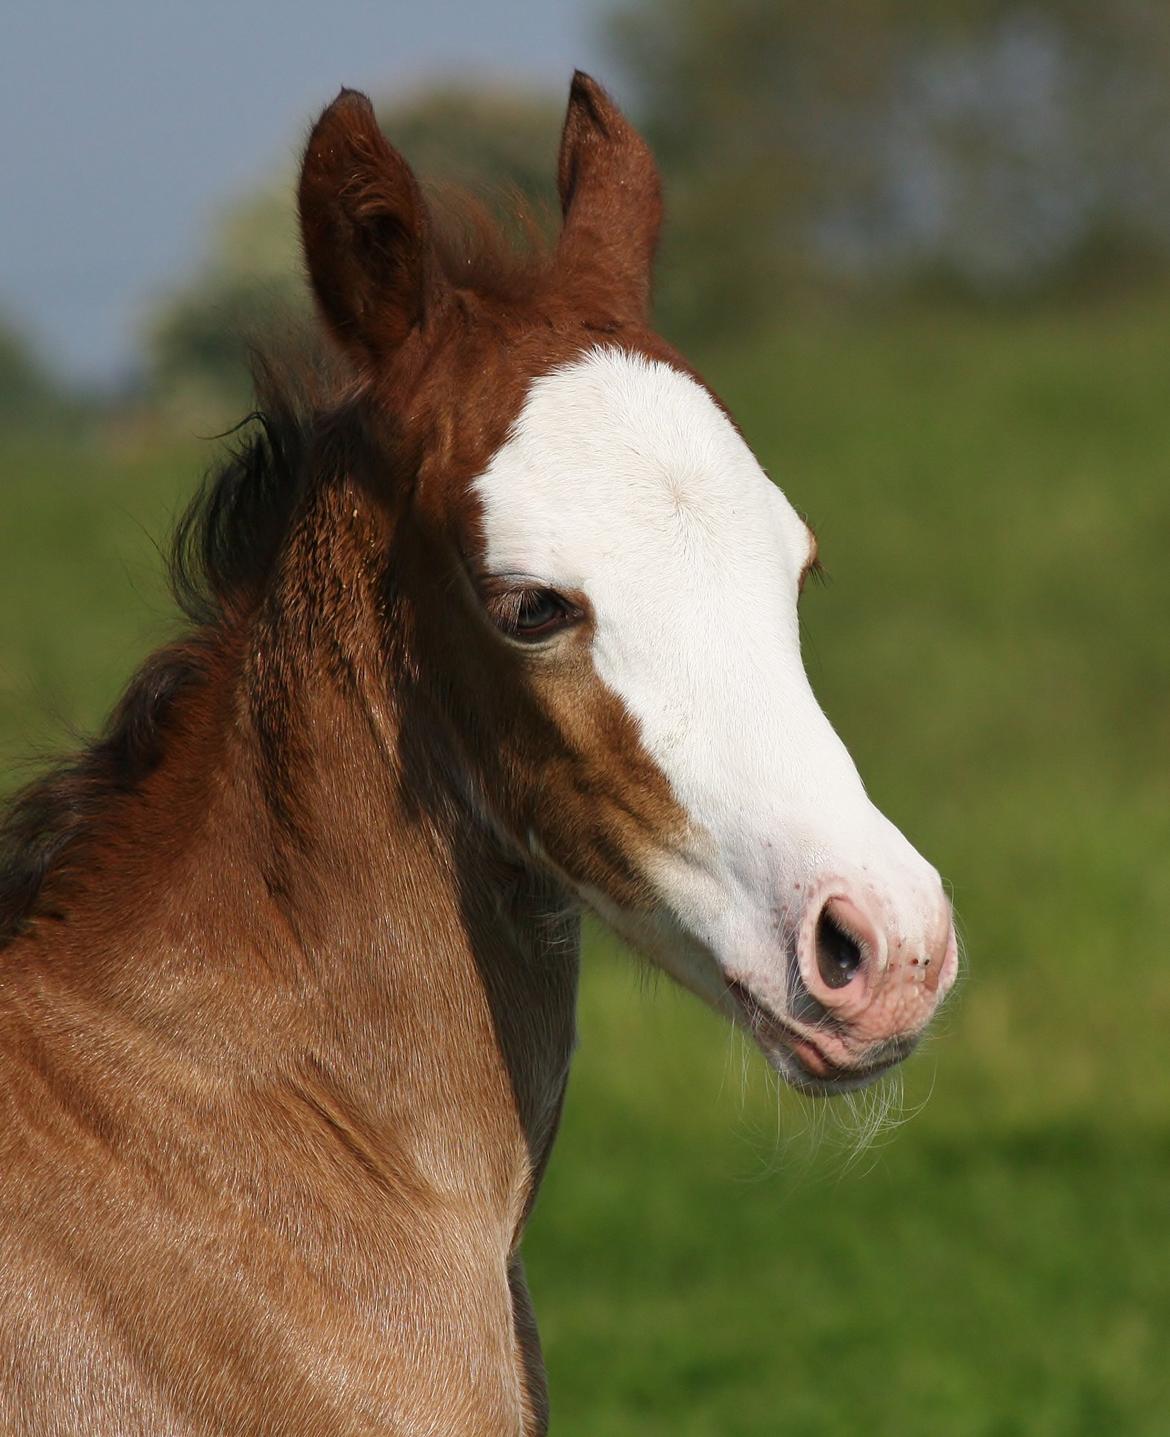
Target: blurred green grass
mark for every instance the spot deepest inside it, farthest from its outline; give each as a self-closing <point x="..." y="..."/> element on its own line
<point x="992" y="496"/>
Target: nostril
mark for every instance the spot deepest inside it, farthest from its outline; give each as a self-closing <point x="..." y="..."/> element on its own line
<point x="838" y="953"/>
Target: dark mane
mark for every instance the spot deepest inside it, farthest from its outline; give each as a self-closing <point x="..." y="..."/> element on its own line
<point x="222" y="549"/>
<point x="227" y="538"/>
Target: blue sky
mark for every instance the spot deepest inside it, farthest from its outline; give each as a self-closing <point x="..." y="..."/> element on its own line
<point x="127" y="123"/>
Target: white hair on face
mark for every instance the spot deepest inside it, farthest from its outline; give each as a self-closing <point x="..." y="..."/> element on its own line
<point x="624" y="479"/>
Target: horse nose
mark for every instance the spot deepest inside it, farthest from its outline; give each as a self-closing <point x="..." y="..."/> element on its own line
<point x="840" y="951"/>
<point x="846" y="948"/>
<point x="852" y="960"/>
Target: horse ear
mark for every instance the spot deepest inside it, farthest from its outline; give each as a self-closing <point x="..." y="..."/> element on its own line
<point x="364" y="231"/>
<point x="611" y="198"/>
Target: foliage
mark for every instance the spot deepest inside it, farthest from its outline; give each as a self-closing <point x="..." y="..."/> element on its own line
<point x="998" y="147"/>
<point x="992" y="495"/>
<point x="28" y="394"/>
<point x="992" y="148"/>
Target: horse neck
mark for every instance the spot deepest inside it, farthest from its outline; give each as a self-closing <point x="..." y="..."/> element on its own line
<point x="443" y="968"/>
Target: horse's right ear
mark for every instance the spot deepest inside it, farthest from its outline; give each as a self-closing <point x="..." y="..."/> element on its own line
<point x="364" y="231"/>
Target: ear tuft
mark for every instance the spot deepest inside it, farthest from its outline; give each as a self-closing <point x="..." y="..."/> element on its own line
<point x="611" y="197"/>
<point x="364" y="230"/>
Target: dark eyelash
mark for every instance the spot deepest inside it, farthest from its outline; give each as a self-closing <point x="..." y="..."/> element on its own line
<point x="507" y="608"/>
<point x="504" y="608"/>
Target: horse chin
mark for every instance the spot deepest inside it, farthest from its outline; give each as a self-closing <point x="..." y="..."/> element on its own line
<point x="841" y="1080"/>
<point x="800" y="1057"/>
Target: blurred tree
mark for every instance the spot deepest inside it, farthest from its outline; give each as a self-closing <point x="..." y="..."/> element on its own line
<point x="28" y="394"/>
<point x="251" y="291"/>
<point x="740" y="98"/>
<point x="999" y="145"/>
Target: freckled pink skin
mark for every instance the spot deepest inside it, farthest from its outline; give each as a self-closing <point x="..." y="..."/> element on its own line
<point x="908" y="963"/>
<point x="899" y="984"/>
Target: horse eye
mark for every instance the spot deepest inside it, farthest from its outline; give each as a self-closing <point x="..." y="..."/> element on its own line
<point x="532" y="613"/>
<point x="538" y="610"/>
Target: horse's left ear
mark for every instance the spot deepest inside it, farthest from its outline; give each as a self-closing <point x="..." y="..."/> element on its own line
<point x="365" y="232"/>
<point x="611" y="197"/>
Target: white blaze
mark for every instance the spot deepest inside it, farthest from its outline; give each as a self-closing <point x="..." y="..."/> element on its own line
<point x="624" y="479"/>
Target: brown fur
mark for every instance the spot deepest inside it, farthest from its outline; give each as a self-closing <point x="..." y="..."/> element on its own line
<point x="286" y="1004"/>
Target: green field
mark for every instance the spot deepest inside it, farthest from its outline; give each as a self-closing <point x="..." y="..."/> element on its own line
<point x="992" y="496"/>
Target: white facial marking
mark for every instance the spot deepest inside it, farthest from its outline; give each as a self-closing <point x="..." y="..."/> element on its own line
<point x="624" y="479"/>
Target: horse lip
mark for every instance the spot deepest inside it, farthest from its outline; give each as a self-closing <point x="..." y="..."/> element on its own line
<point x="764" y="1021"/>
<point x="819" y="1073"/>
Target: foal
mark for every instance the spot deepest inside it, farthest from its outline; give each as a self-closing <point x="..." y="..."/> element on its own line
<point x="501" y="625"/>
